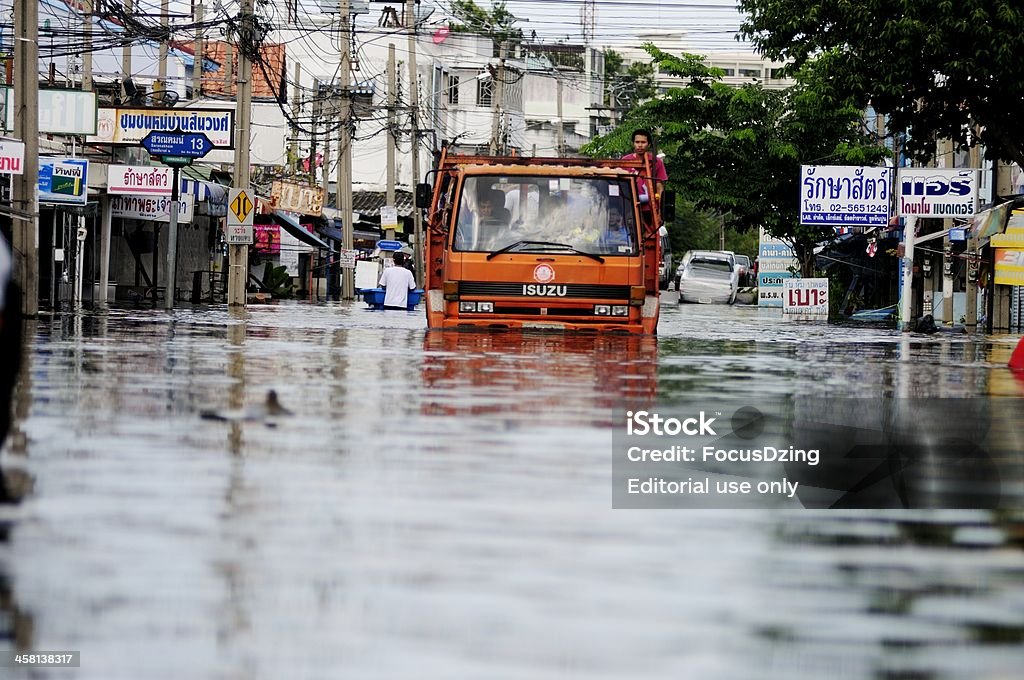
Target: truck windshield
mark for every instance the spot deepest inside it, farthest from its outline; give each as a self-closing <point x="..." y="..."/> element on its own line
<point x="590" y="215"/>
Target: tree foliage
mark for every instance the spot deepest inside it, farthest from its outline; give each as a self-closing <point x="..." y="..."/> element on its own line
<point x="939" y="69"/>
<point x="737" y="151"/>
<point x="498" y="22"/>
<point x="627" y="85"/>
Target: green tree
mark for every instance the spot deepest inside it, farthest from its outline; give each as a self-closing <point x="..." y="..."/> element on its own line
<point x="737" y="151"/>
<point x="939" y="69"/>
<point x="628" y="85"/>
<point x="498" y="22"/>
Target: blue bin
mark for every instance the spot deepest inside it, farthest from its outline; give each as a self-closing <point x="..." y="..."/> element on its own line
<point x="374" y="297"/>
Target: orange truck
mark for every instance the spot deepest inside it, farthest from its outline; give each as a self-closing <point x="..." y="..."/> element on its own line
<point x="542" y="244"/>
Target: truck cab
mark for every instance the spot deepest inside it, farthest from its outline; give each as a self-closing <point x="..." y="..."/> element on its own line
<point x="551" y="244"/>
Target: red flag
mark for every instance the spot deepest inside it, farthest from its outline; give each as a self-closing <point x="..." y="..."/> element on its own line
<point x="440" y="34"/>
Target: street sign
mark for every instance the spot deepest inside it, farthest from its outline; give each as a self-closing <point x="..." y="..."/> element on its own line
<point x="188" y="144"/>
<point x="176" y="161"/>
<point x="347" y="258"/>
<point x="389" y="245"/>
<point x="240" y="213"/>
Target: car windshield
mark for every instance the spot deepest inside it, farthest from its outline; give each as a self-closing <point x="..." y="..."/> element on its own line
<point x="712" y="268"/>
<point x="546" y="214"/>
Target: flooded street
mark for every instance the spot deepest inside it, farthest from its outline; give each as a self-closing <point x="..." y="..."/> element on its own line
<point x="440" y="507"/>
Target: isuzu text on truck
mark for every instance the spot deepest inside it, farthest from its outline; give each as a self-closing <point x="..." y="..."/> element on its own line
<point x="542" y="243"/>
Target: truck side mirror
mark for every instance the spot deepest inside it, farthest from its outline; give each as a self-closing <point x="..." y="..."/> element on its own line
<point x="668" y="206"/>
<point x="423" y="195"/>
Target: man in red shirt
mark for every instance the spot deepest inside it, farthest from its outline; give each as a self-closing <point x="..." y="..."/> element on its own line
<point x="642" y="148"/>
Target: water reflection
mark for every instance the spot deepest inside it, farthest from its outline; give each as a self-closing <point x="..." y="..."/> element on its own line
<point x="439" y="507"/>
<point x="537" y="376"/>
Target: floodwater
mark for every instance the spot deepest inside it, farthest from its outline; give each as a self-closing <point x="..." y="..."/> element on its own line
<point x="440" y="507"/>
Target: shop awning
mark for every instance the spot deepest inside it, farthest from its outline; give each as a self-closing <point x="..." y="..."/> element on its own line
<point x="292" y="226"/>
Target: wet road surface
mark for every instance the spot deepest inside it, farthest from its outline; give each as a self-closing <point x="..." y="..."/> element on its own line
<point x="439" y="507"/>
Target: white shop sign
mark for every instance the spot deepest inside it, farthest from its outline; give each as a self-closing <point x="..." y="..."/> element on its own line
<point x="153" y="208"/>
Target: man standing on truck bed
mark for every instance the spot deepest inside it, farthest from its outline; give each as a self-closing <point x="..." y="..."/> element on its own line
<point x="643" y="147"/>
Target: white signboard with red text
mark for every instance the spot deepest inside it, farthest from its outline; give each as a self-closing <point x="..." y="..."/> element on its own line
<point x="12" y="157"/>
<point x="140" y="180"/>
<point x="805" y="299"/>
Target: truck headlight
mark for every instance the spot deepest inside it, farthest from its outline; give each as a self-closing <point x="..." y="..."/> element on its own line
<point x="602" y="310"/>
<point x="620" y="310"/>
<point x="486" y="307"/>
<point x="467" y="306"/>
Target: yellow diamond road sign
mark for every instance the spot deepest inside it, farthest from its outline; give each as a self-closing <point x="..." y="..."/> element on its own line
<point x="240" y="207"/>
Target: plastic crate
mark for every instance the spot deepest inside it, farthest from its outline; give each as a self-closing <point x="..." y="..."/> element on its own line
<point x="374" y="297"/>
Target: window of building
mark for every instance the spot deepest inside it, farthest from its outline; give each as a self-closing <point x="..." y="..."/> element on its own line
<point x="777" y="74"/>
<point x="750" y="73"/>
<point x="453" y="90"/>
<point x="484" y="92"/>
<point x="729" y="72"/>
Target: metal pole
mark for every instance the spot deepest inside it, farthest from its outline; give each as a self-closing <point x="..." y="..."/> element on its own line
<point x="25" y="229"/>
<point x="238" y="255"/>
<point x="345" y="146"/>
<point x="909" y="238"/>
<point x="172" y="240"/>
<point x="392" y="141"/>
<point x="414" y="102"/>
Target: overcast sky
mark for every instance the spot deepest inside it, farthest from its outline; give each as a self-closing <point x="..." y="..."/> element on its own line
<point x="710" y="24"/>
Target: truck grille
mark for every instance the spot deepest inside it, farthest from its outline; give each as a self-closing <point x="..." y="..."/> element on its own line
<point x="574" y="290"/>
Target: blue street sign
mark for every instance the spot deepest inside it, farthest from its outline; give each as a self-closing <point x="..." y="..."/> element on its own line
<point x="190" y="144"/>
<point x="389" y="245"/>
<point x="958" y="234"/>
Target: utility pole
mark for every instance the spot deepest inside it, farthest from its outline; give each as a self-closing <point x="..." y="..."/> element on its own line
<point x="414" y="102"/>
<point x="25" y="221"/>
<point x="560" y="143"/>
<point x="496" y="96"/>
<point x="318" y="110"/>
<point x="197" y="61"/>
<point x="126" y="56"/>
<point x="87" y="53"/>
<point x="293" y="145"/>
<point x="238" y="255"/>
<point x="392" y="141"/>
<point x="165" y="19"/>
<point x="345" y="144"/>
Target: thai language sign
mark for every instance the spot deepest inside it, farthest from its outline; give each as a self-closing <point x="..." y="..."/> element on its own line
<point x="297" y="198"/>
<point x="12" y="157"/>
<point x="61" y="112"/>
<point x="844" y="195"/>
<point x="775" y="264"/>
<point x="139" y="180"/>
<point x="938" y="192"/>
<point x="63" y="181"/>
<point x="130" y="126"/>
<point x="805" y="299"/>
<point x="153" y="208"/>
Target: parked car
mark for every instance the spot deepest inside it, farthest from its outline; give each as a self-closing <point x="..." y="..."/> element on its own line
<point x="665" y="266"/>
<point x="746" y="270"/>
<point x="707" y="277"/>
